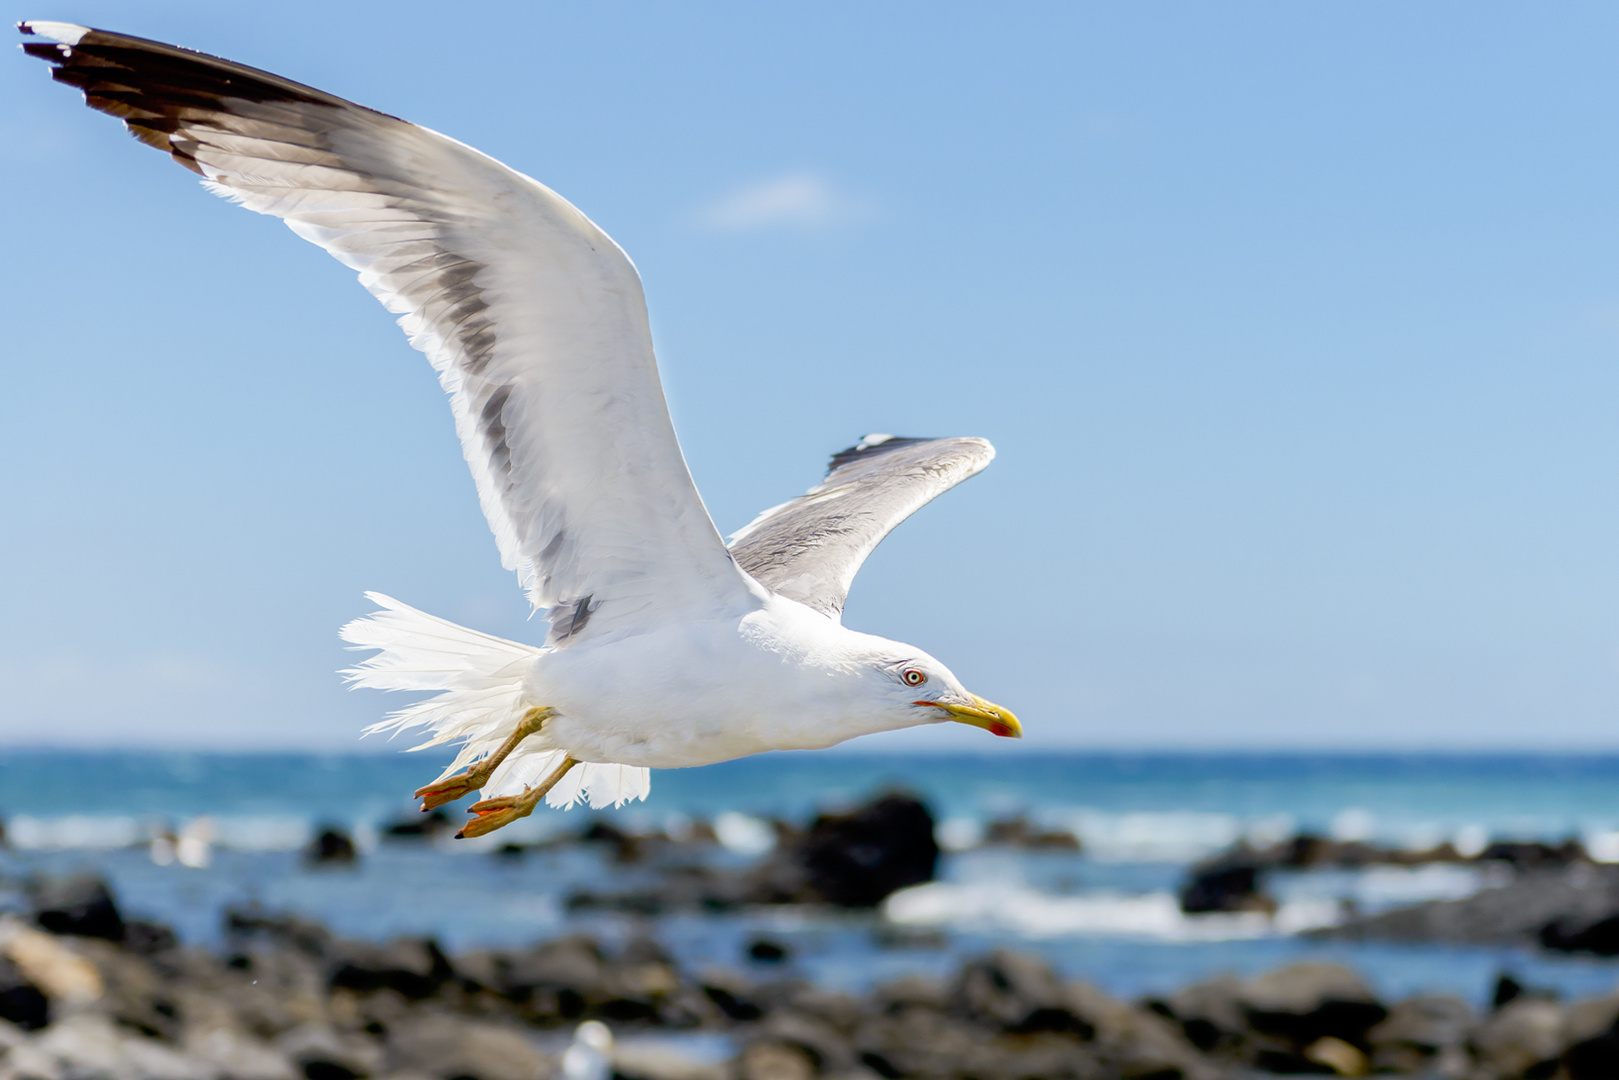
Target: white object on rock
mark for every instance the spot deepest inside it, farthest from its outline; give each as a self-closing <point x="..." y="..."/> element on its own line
<point x="590" y="1057"/>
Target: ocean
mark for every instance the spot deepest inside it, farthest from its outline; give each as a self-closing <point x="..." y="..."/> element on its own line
<point x="183" y="836"/>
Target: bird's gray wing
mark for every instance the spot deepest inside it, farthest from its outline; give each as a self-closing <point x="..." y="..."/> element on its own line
<point x="809" y="549"/>
<point x="532" y="316"/>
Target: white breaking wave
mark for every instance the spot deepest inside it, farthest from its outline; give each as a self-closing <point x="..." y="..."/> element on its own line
<point x="91" y="832"/>
<point x="1145" y="836"/>
<point x="1028" y="912"/>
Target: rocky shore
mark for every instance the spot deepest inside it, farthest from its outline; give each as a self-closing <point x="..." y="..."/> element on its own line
<point x="1554" y="897"/>
<point x="86" y="993"/>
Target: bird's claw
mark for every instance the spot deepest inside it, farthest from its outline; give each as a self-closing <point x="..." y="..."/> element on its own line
<point x="450" y="789"/>
<point x="492" y="814"/>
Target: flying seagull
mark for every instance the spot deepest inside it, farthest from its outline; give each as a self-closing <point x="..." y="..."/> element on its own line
<point x="666" y="648"/>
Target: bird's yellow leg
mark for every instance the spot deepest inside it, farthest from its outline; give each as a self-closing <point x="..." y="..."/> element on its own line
<point x="493" y="813"/>
<point x="465" y="783"/>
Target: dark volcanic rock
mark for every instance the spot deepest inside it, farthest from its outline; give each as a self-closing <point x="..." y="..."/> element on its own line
<point x="1020" y="832"/>
<point x="1017" y="993"/>
<point x="1535" y="855"/>
<point x="1229" y="882"/>
<point x="1420" y="1032"/>
<point x="148" y="938"/>
<point x="767" y="951"/>
<point x="857" y="859"/>
<point x="414" y="968"/>
<point x="21" y="1002"/>
<point x="81" y="906"/>
<point x="330" y="847"/>
<point x="852" y="860"/>
<point x="1573" y="934"/>
<point x="420" y="827"/>
<point x="245" y="925"/>
<point x="1556" y="903"/>
<point x="449" y="1048"/>
<point x="1309" y="1001"/>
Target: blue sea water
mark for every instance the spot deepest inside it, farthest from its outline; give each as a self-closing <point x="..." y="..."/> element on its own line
<point x="1106" y="914"/>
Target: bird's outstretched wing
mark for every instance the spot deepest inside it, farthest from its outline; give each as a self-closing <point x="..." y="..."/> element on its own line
<point x="533" y="317"/>
<point x="809" y="549"/>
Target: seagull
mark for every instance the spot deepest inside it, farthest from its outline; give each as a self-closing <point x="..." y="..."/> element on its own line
<point x="666" y="647"/>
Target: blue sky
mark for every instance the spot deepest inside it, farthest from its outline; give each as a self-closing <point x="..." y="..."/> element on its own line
<point x="1295" y="326"/>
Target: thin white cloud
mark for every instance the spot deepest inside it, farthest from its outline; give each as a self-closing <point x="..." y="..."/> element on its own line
<point x="797" y="200"/>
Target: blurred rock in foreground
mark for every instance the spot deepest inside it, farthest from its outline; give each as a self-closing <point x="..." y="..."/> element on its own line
<point x="286" y="999"/>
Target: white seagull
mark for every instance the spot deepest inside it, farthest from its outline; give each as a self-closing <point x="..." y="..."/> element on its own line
<point x="666" y="648"/>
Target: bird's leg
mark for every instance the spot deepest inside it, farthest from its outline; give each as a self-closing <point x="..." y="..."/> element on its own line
<point x="465" y="783"/>
<point x="493" y="813"/>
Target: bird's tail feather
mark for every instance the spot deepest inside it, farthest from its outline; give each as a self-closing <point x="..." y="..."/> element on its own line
<point x="479" y="679"/>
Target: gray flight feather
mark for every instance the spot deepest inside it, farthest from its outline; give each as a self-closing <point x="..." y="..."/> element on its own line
<point x="809" y="549"/>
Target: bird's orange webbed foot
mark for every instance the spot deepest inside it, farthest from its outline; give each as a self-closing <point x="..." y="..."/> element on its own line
<point x="492" y="814"/>
<point x="452" y="788"/>
<point x="465" y="783"/>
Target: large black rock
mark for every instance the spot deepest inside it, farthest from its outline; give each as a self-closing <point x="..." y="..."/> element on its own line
<point x="21" y="1002"/>
<point x="330" y="847"/>
<point x="1229" y="883"/>
<point x="414" y="967"/>
<point x="82" y="906"/>
<point x="857" y="859"/>
<point x="1600" y="936"/>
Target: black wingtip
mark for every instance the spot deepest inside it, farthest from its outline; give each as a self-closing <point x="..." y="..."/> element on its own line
<point x="869" y="447"/>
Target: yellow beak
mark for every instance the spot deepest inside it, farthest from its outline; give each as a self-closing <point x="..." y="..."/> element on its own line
<point x="987" y="715"/>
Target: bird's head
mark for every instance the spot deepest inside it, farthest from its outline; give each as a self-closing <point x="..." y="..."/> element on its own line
<point x="924" y="691"/>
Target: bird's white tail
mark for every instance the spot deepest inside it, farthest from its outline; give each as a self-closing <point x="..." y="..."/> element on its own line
<point x="479" y="679"/>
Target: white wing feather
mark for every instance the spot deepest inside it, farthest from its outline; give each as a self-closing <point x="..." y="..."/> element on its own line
<point x="532" y="316"/>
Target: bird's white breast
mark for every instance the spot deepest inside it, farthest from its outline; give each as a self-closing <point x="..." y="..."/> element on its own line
<point x="697" y="693"/>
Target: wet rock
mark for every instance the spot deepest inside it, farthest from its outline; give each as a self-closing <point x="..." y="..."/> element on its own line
<point x="775" y="1061"/>
<point x="572" y="978"/>
<point x="625" y="847"/>
<point x="321" y="1052"/>
<point x="49" y="963"/>
<point x="135" y="993"/>
<point x="1535" y="855"/>
<point x="1337" y="1056"/>
<point x="146" y="938"/>
<point x="767" y="951"/>
<point x="412" y="967"/>
<point x="1596" y="1058"/>
<point x="1572" y="934"/>
<point x="919" y="1042"/>
<point x="330" y="847"/>
<point x="1231" y="882"/>
<point x="448" y="1048"/>
<point x="1130" y="1041"/>
<point x="1591" y="1038"/>
<point x="1419" y="1032"/>
<point x="826" y="1049"/>
<point x="1303" y="1003"/>
<point x="1017" y="993"/>
<point x="244" y="926"/>
<point x="1524" y="1036"/>
<point x="1211" y="1015"/>
<point x="1518" y="912"/>
<point x="857" y="859"/>
<point x="237" y="1055"/>
<point x="90" y="1045"/>
<point x="733" y="994"/>
<point x="426" y="826"/>
<point x="82" y="906"/>
<point x="21" y="1002"/>
<point x="1020" y="832"/>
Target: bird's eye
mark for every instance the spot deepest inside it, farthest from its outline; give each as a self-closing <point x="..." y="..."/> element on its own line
<point x="913" y="677"/>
